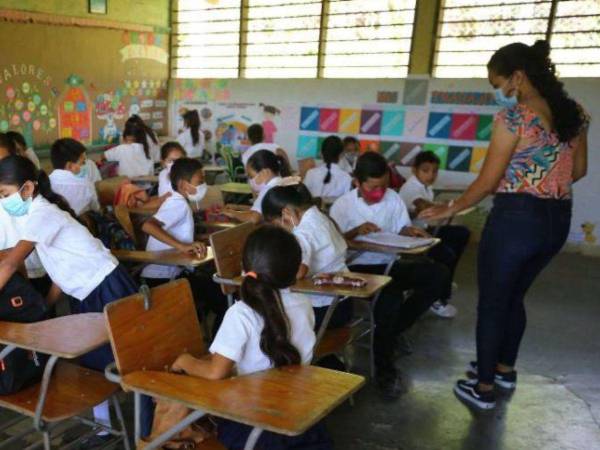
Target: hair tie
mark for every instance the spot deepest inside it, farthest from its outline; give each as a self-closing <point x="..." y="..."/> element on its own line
<point x="251" y="274"/>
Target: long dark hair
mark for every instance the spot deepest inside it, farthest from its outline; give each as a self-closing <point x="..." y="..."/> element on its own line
<point x="191" y="119"/>
<point x="140" y="122"/>
<point x="17" y="139"/>
<point x="266" y="159"/>
<point x="17" y="170"/>
<point x="274" y="255"/>
<point x="7" y="143"/>
<point x="331" y="149"/>
<point x="280" y="197"/>
<point x="139" y="136"/>
<point x="567" y="116"/>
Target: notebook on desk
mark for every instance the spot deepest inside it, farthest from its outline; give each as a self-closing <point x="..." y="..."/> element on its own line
<point x="395" y="240"/>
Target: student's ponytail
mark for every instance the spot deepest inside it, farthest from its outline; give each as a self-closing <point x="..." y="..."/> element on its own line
<point x="17" y="170"/>
<point x="271" y="260"/>
<point x="138" y="133"/>
<point x="331" y="149"/>
<point x="191" y="119"/>
<point x="266" y="159"/>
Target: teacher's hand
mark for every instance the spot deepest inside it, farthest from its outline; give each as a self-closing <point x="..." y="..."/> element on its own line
<point x="438" y="212"/>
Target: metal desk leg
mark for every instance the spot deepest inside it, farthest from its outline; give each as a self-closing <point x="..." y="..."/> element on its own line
<point x="119" y="413"/>
<point x="137" y="412"/>
<point x="37" y="420"/>
<point x="253" y="438"/>
<point x="326" y="319"/>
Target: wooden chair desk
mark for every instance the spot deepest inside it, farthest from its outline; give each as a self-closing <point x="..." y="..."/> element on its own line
<point x="362" y="246"/>
<point x="235" y="188"/>
<point x="66" y="389"/>
<point x="153" y="179"/>
<point x="163" y="257"/>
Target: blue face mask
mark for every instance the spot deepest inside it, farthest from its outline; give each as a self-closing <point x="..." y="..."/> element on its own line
<point x="14" y="204"/>
<point x="503" y="100"/>
<point x="82" y="172"/>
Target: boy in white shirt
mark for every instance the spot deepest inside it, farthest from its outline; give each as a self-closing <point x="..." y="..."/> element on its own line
<point x="70" y="178"/>
<point x="350" y="154"/>
<point x="372" y="207"/>
<point x="172" y="227"/>
<point x="256" y="136"/>
<point x="417" y="194"/>
<point x="329" y="180"/>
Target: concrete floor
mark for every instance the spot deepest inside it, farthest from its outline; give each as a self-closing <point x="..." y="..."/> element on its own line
<point x="556" y="405"/>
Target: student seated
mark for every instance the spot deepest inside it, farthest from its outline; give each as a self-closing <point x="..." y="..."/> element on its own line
<point x="169" y="153"/>
<point x="133" y="155"/>
<point x="350" y="154"/>
<point x="329" y="180"/>
<point x="69" y="177"/>
<point x="265" y="170"/>
<point x="151" y="138"/>
<point x="77" y="263"/>
<point x="372" y="207"/>
<point x="192" y="137"/>
<point x="417" y="194"/>
<point x="269" y="327"/>
<point x="256" y="135"/>
<point x="21" y="146"/>
<point x="172" y="227"/>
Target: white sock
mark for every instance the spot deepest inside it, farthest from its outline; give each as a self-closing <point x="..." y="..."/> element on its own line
<point x="102" y="416"/>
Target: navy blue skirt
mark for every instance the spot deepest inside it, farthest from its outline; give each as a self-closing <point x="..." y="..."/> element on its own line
<point x="116" y="285"/>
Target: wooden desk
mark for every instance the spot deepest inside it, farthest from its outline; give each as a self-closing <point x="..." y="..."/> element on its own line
<point x="146" y="179"/>
<point x="450" y="189"/>
<point x="213" y="168"/>
<point x="235" y="188"/>
<point x="376" y="248"/>
<point x="288" y="400"/>
<point x="163" y="257"/>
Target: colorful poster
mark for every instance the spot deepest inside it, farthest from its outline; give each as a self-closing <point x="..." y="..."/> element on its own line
<point x="309" y="119"/>
<point x="408" y="153"/>
<point x="439" y="125"/>
<point x="349" y="121"/>
<point x="329" y="120"/>
<point x="307" y="147"/>
<point x="201" y="90"/>
<point x="415" y="91"/>
<point x="464" y="127"/>
<point x="477" y="158"/>
<point x="110" y="107"/>
<point x="393" y="123"/>
<point x="370" y="121"/>
<point x="144" y="46"/>
<point x="415" y="124"/>
<point x="484" y="127"/>
<point x="369" y="145"/>
<point x="463" y="98"/>
<point x="459" y="159"/>
<point x="390" y="149"/>
<point x="74" y="111"/>
<point x="440" y="150"/>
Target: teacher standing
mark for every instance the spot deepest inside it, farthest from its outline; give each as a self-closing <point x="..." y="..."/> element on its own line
<point x="538" y="149"/>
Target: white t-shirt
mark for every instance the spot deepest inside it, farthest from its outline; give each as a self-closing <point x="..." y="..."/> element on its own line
<point x="338" y="185"/>
<point x="186" y="141"/>
<point x="413" y="190"/>
<point x="257" y="205"/>
<point x="75" y="260"/>
<point x="346" y="166"/>
<point x="323" y="248"/>
<point x="164" y="182"/>
<point x="153" y="148"/>
<point x="238" y="338"/>
<point x="176" y="216"/>
<point x="272" y="147"/>
<point x="80" y="193"/>
<point x="390" y="214"/>
<point x="33" y="157"/>
<point x="93" y="174"/>
<point x="10" y="233"/>
<point x="132" y="160"/>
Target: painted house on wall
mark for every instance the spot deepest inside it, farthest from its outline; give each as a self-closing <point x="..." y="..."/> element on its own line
<point x="75" y="111"/>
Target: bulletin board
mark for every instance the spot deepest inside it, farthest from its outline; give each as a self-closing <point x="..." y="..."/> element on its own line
<point x="66" y="81"/>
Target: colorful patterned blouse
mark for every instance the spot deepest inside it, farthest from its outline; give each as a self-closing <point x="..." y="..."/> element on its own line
<point x="541" y="165"/>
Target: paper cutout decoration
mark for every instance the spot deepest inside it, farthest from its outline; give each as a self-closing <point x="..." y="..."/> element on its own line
<point x="309" y="119"/>
<point x="477" y="158"/>
<point x="415" y="92"/>
<point x="307" y="147"/>
<point x="349" y="121"/>
<point x="459" y="159"/>
<point x="328" y="120"/>
<point x="393" y="123"/>
<point x="440" y="150"/>
<point x="74" y="111"/>
<point x="439" y="125"/>
<point x="464" y="127"/>
<point x="370" y="121"/>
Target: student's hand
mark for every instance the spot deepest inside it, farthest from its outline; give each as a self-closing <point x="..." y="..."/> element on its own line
<point x="415" y="232"/>
<point x="181" y="363"/>
<point x="367" y="228"/>
<point x="197" y="249"/>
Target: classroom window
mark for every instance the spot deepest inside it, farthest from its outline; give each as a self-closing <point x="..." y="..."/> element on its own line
<point x="367" y="39"/>
<point x="575" y="38"/>
<point x="471" y="30"/>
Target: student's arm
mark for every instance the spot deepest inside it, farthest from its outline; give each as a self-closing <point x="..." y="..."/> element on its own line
<point x="360" y="230"/>
<point x="242" y="216"/>
<point x="154" y="228"/>
<point x="500" y="151"/>
<point x="580" y="157"/>
<point x="302" y="272"/>
<point x="212" y="367"/>
<point x="14" y="260"/>
<point x="53" y="294"/>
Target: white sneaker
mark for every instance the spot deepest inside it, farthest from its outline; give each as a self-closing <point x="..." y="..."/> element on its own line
<point x="446" y="311"/>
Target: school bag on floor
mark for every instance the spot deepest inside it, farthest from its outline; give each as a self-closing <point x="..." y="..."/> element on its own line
<point x="20" y="302"/>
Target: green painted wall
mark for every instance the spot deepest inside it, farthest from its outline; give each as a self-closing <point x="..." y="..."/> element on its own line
<point x="146" y="12"/>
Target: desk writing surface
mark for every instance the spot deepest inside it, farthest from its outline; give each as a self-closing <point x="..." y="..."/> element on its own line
<point x="163" y="257"/>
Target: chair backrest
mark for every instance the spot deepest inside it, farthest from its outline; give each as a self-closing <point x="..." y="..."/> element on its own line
<point x="152" y="339"/>
<point x="108" y="188"/>
<point x="304" y="165"/>
<point x="227" y="247"/>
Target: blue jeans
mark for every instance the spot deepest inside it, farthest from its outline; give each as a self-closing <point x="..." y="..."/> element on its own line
<point x="522" y="234"/>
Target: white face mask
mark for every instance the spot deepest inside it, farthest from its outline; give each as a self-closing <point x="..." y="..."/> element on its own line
<point x="256" y="187"/>
<point x="169" y="165"/>
<point x="200" y="193"/>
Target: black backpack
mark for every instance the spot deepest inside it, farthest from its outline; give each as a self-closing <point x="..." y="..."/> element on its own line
<point x="20" y="302"/>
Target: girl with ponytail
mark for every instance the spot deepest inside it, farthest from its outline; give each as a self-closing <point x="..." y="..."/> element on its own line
<point x="269" y="327"/>
<point x="151" y="139"/>
<point x="133" y="155"/>
<point x="538" y="149"/>
<point x="192" y="137"/>
<point x="329" y="180"/>
<point x="76" y="262"/>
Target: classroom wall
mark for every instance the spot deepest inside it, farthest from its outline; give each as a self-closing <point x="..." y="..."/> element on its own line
<point x="82" y="80"/>
<point x="401" y="115"/>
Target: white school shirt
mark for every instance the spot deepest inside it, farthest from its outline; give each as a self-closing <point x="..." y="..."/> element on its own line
<point x="238" y="338"/>
<point x="33" y="157"/>
<point x="413" y="190"/>
<point x="93" y="174"/>
<point x="153" y="148"/>
<point x="390" y="214"/>
<point x="323" y="248"/>
<point x="10" y="234"/>
<point x="257" y="205"/>
<point x="186" y="141"/>
<point x="272" y="147"/>
<point x="176" y="216"/>
<point x="346" y="166"/>
<point x="75" y="260"/>
<point x="164" y="182"/>
<point x="132" y="160"/>
<point x="338" y="185"/>
<point x="79" y="193"/>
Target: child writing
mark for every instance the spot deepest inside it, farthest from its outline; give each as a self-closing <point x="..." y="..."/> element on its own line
<point x="70" y="178"/>
<point x="256" y="135"/>
<point x="77" y="263"/>
<point x="153" y="146"/>
<point x="372" y="207"/>
<point x="329" y="180"/>
<point x="192" y="137"/>
<point x="350" y="154"/>
<point x="133" y="155"/>
<point x="265" y="170"/>
<point x="169" y="153"/>
<point x="21" y="146"/>
<point x="417" y="194"/>
<point x="173" y="227"/>
<point x="270" y="327"/>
